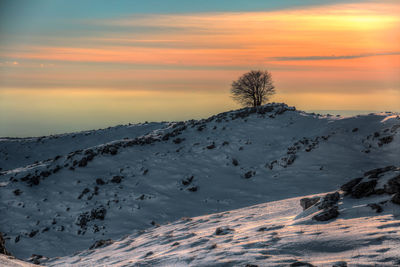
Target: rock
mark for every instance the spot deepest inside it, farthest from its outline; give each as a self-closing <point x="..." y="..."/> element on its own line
<point x="305" y="203"/>
<point x="35" y="258"/>
<point x="385" y="140"/>
<point x="354" y="130"/>
<point x="396" y="198"/>
<point x="101" y="243"/>
<point x="251" y="265"/>
<point x="98" y="213"/>
<point x="340" y="264"/>
<point x="17" y="192"/>
<point x="3" y="249"/>
<point x="376" y="172"/>
<point x="393" y="185"/>
<point x="193" y="189"/>
<point x="329" y="200"/>
<point x="235" y="162"/>
<point x="301" y="263"/>
<point x="364" y="189"/>
<point x="249" y="174"/>
<point x="224" y="230"/>
<point x="116" y="179"/>
<point x="82" y="162"/>
<point x="148" y="254"/>
<point x="85" y="191"/>
<point x="35" y="180"/>
<point x="212" y="146"/>
<point x="100" y="181"/>
<point x="327" y="214"/>
<point x="33" y="233"/>
<point x="348" y="187"/>
<point x="178" y="140"/>
<point x="187" y="181"/>
<point x="376" y="207"/>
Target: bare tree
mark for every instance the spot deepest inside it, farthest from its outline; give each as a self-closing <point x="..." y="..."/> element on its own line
<point x="253" y="88"/>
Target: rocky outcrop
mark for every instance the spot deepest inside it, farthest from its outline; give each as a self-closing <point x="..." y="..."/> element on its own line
<point x="3" y="249"/>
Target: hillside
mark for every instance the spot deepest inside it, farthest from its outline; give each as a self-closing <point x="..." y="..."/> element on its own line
<point x="60" y="194"/>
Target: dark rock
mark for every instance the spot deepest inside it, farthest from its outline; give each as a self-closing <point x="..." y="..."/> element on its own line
<point x="212" y="146"/>
<point x="188" y="180"/>
<point x="376" y="172"/>
<point x="116" y="179"/>
<point x="193" y="189"/>
<point x="100" y="181"/>
<point x="17" y="192"/>
<point x="35" y="180"/>
<point x="82" y="162"/>
<point x="393" y="185"/>
<point x="251" y="265"/>
<point x="385" y="140"/>
<point x="45" y="174"/>
<point x="148" y="254"/>
<point x="101" y="243"/>
<point x="329" y="200"/>
<point x="301" y="263"/>
<point x="224" y="230"/>
<point x="396" y="198"/>
<point x="85" y="191"/>
<point x="3" y="249"/>
<point x="35" y="258"/>
<point x="33" y="233"/>
<point x="327" y="214"/>
<point x="201" y="127"/>
<point x="364" y="189"/>
<point x="348" y="187"/>
<point x="98" y="213"/>
<point x="225" y="143"/>
<point x="354" y="130"/>
<point x="57" y="169"/>
<point x="340" y="264"/>
<point x="235" y="162"/>
<point x="376" y="207"/>
<point x="178" y="140"/>
<point x="249" y="174"/>
<point x="305" y="203"/>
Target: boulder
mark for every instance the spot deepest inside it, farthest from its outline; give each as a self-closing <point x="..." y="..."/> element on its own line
<point x="348" y="187"/>
<point x="305" y="203"/>
<point x="327" y="214"/>
<point x="364" y="189"/>
<point x="329" y="200"/>
<point x="396" y="198"/>
<point x="393" y="185"/>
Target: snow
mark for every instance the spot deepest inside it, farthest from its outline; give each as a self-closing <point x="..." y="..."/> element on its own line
<point x="285" y="154"/>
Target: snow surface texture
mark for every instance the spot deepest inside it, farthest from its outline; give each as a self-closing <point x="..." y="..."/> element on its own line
<point x="61" y="194"/>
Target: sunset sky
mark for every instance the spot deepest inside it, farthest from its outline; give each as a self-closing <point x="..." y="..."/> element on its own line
<point x="80" y="65"/>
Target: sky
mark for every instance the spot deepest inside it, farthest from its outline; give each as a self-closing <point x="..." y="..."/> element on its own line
<point x="67" y="66"/>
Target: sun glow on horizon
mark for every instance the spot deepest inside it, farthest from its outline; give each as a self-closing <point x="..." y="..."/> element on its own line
<point x="339" y="56"/>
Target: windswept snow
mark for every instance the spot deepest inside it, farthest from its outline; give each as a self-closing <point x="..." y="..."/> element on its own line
<point x="61" y="195"/>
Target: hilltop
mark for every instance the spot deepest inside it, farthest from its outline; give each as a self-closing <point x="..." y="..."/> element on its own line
<point x="242" y="170"/>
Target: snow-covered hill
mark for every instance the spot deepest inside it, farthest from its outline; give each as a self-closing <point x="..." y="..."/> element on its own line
<point x="61" y="194"/>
